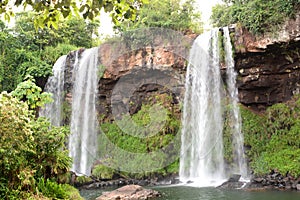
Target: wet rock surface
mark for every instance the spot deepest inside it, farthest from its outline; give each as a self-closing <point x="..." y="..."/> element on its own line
<point x="96" y="184"/>
<point x="274" y="180"/>
<point x="129" y="192"/>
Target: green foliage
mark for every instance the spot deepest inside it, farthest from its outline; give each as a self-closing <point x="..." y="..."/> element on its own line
<point x="258" y="16"/>
<point x="16" y="138"/>
<point x="51" y="53"/>
<point x="31" y="94"/>
<point x="74" y="31"/>
<point x="83" y="179"/>
<point x="102" y="172"/>
<point x="54" y="190"/>
<point x="155" y="127"/>
<point x="25" y="51"/>
<point x="51" y="154"/>
<point x="49" y="13"/>
<point x="152" y="140"/>
<point x="31" y="151"/>
<point x="165" y="14"/>
<point x="255" y="133"/>
<point x="273" y="138"/>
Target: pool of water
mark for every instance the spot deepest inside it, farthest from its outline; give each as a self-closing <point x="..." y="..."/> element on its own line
<point x="193" y="193"/>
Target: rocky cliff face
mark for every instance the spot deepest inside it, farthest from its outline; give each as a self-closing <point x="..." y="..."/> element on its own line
<point x="268" y="66"/>
<point x="134" y="74"/>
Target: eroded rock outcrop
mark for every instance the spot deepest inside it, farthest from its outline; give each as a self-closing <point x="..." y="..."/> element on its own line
<point x="134" y="73"/>
<point x="268" y="65"/>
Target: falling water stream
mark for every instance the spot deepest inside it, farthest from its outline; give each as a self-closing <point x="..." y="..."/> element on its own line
<point x="55" y="86"/>
<point x="83" y="138"/>
<point x="201" y="159"/>
<point x="235" y="117"/>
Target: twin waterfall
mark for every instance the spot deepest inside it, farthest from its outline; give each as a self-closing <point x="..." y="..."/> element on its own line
<point x="83" y="139"/>
<point x="201" y="156"/>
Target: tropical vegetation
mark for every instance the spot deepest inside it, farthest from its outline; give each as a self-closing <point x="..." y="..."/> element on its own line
<point x="25" y="51"/>
<point x="258" y="16"/>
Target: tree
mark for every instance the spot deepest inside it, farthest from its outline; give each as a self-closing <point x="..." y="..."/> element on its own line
<point x="166" y="14"/>
<point x="25" y="51"/>
<point x="49" y="11"/>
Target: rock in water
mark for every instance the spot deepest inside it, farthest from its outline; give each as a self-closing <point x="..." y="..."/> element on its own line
<point x="234" y="178"/>
<point x="129" y="192"/>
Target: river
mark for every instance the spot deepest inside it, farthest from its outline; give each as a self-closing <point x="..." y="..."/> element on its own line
<point x="192" y="193"/>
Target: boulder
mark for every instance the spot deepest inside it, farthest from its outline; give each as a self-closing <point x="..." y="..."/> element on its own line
<point x="129" y="192"/>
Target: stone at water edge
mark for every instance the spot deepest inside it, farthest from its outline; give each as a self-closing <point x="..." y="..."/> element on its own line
<point x="129" y="192"/>
<point x="298" y="187"/>
<point x="234" y="178"/>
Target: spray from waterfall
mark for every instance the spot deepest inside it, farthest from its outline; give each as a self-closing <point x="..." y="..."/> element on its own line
<point x="201" y="159"/>
<point x="235" y="118"/>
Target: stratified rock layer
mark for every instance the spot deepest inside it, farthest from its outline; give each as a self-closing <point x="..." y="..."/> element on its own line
<point x="268" y="65"/>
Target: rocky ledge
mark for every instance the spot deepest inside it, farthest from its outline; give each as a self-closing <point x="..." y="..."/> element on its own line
<point x="129" y="192"/>
<point x="273" y="181"/>
<point x="268" y="65"/>
<point x="96" y="184"/>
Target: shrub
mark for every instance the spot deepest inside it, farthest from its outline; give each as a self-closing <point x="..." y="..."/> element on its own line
<point x="54" y="190"/>
<point x="102" y="172"/>
<point x="31" y="151"/>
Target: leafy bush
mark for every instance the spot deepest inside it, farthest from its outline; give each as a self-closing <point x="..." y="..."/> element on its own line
<point x="54" y="190"/>
<point x="258" y="16"/>
<point x="31" y="150"/>
<point x="29" y="92"/>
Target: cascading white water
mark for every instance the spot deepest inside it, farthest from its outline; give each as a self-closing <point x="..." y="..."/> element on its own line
<point x="235" y="118"/>
<point x="201" y="159"/>
<point x="83" y="138"/>
<point x="55" y="86"/>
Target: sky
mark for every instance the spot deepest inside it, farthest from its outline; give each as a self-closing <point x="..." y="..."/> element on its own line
<point x="205" y="9"/>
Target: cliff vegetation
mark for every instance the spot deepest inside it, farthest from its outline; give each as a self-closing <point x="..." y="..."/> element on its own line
<point x="258" y="16"/>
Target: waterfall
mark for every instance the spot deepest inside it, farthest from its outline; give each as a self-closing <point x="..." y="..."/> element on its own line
<point x="83" y="138"/>
<point x="55" y="85"/>
<point x="201" y="159"/>
<point x="235" y="118"/>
